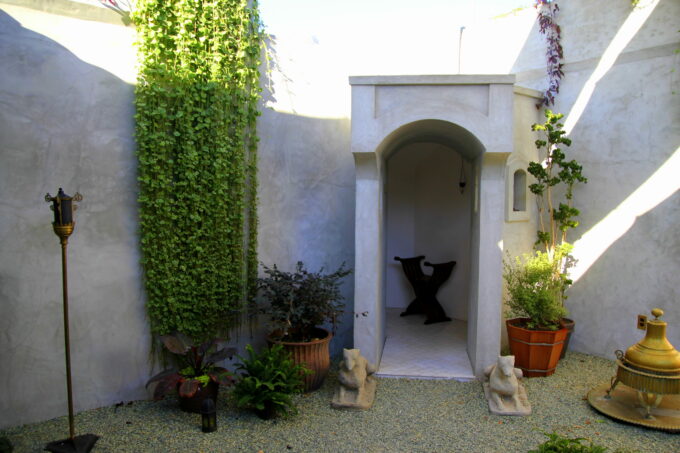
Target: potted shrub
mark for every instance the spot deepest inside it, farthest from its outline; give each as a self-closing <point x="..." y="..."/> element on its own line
<point x="195" y="377"/>
<point x="535" y="285"/>
<point x="555" y="178"/>
<point x="299" y="303"/>
<point x="268" y="381"/>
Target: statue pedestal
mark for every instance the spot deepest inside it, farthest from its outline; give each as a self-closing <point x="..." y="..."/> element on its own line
<point x="360" y="399"/>
<point x="510" y="407"/>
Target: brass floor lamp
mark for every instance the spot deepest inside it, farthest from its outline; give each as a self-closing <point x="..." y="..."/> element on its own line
<point x="63" y="225"/>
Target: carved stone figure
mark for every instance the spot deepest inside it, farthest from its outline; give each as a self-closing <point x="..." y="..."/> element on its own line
<point x="505" y="394"/>
<point x="357" y="386"/>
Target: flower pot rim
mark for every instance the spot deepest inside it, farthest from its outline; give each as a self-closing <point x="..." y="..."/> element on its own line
<point x="512" y="323"/>
<point x="273" y="335"/>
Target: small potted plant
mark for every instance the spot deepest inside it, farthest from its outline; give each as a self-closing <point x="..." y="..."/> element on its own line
<point x="535" y="285"/>
<point x="298" y="304"/>
<point x="268" y="381"/>
<point x="196" y="377"/>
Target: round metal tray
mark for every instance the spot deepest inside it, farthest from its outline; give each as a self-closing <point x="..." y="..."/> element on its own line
<point x="624" y="406"/>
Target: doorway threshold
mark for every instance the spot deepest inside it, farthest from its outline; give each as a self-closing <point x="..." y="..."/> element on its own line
<point x="417" y="351"/>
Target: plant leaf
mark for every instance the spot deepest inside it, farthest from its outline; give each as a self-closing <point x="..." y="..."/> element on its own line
<point x="176" y="343"/>
<point x="189" y="388"/>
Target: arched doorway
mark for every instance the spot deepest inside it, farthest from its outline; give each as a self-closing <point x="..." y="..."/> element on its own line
<point x="469" y="115"/>
<point x="428" y="212"/>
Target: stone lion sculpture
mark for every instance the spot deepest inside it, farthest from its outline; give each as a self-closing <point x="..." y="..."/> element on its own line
<point x="357" y="386"/>
<point x="505" y="394"/>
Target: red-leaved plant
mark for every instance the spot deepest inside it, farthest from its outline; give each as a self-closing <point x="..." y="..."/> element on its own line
<point x="196" y="366"/>
<point x="547" y="13"/>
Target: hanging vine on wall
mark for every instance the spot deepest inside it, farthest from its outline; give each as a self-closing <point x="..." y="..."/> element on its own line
<point x="196" y="102"/>
<point x="547" y="13"/>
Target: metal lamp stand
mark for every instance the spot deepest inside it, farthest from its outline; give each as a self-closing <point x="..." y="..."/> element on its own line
<point x="63" y="208"/>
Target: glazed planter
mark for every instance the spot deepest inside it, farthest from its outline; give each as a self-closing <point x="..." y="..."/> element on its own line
<point x="193" y="404"/>
<point x="314" y="355"/>
<point x="569" y="325"/>
<point x="536" y="352"/>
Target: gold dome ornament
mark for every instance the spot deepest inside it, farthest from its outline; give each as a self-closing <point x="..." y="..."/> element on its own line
<point x="654" y="353"/>
<point x="650" y="373"/>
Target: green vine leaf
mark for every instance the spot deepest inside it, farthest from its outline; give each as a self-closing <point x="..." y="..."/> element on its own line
<point x="196" y="110"/>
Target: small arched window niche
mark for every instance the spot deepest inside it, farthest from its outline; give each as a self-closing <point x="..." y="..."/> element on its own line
<point x="516" y="190"/>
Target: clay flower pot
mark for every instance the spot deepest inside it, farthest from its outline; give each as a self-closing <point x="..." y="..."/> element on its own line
<point x="314" y="355"/>
<point x="536" y="351"/>
<point x="569" y="325"/>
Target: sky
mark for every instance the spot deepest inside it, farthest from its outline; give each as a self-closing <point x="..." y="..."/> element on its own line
<point x="282" y="15"/>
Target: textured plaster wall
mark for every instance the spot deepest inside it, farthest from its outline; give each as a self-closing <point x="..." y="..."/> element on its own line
<point x="306" y="199"/>
<point x="427" y="215"/>
<point x="620" y="100"/>
<point x="67" y="122"/>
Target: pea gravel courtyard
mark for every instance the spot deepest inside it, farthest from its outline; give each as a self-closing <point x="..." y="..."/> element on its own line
<point x="408" y="416"/>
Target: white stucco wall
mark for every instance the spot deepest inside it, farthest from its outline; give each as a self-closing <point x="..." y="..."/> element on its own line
<point x="620" y="100"/>
<point x="66" y="120"/>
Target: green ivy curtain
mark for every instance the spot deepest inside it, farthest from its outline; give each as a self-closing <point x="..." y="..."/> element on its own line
<point x="196" y="100"/>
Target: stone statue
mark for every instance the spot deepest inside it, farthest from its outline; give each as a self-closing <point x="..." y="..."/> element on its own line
<point x="505" y="394"/>
<point x="357" y="386"/>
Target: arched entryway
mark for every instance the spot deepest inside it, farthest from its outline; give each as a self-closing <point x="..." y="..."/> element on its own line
<point x="428" y="212"/>
<point x="469" y="116"/>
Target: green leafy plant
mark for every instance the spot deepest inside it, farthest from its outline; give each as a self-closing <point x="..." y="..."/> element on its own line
<point x="535" y="286"/>
<point x="299" y="301"/>
<point x="560" y="444"/>
<point x="195" y="366"/>
<point x="268" y="382"/>
<point x="196" y="109"/>
<point x="552" y="170"/>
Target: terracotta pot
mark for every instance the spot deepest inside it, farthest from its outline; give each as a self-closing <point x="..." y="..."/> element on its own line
<point x="569" y="325"/>
<point x="536" y="351"/>
<point x="193" y="404"/>
<point x="314" y="355"/>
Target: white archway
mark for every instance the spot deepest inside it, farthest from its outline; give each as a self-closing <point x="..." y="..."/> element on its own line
<point x="472" y="114"/>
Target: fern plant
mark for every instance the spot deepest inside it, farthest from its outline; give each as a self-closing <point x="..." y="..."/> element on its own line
<point x="268" y="382"/>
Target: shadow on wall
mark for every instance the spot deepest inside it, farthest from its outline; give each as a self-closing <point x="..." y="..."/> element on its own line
<point x="625" y="133"/>
<point x="618" y="288"/>
<point x="306" y="192"/>
<point x="66" y="123"/>
<point x="306" y="199"/>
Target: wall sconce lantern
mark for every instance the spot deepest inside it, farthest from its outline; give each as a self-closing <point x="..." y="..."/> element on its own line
<point x="63" y="225"/>
<point x="461" y="178"/>
<point x="208" y="416"/>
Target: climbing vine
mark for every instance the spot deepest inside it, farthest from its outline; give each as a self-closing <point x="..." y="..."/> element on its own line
<point x="196" y="110"/>
<point x="547" y="13"/>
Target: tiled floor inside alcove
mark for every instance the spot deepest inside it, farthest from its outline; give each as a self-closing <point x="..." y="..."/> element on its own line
<point x="415" y="350"/>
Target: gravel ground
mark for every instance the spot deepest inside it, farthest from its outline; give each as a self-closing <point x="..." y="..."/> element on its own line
<point x="408" y="416"/>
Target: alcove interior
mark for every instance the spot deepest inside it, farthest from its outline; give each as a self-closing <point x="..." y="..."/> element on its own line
<point x="427" y="213"/>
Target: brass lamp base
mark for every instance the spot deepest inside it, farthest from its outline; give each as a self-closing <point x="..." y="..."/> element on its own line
<point x="624" y="405"/>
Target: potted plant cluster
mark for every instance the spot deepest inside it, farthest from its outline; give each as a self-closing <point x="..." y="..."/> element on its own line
<point x="298" y="304"/>
<point x="195" y="376"/>
<point x="268" y="382"/>
<point x="536" y="285"/>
